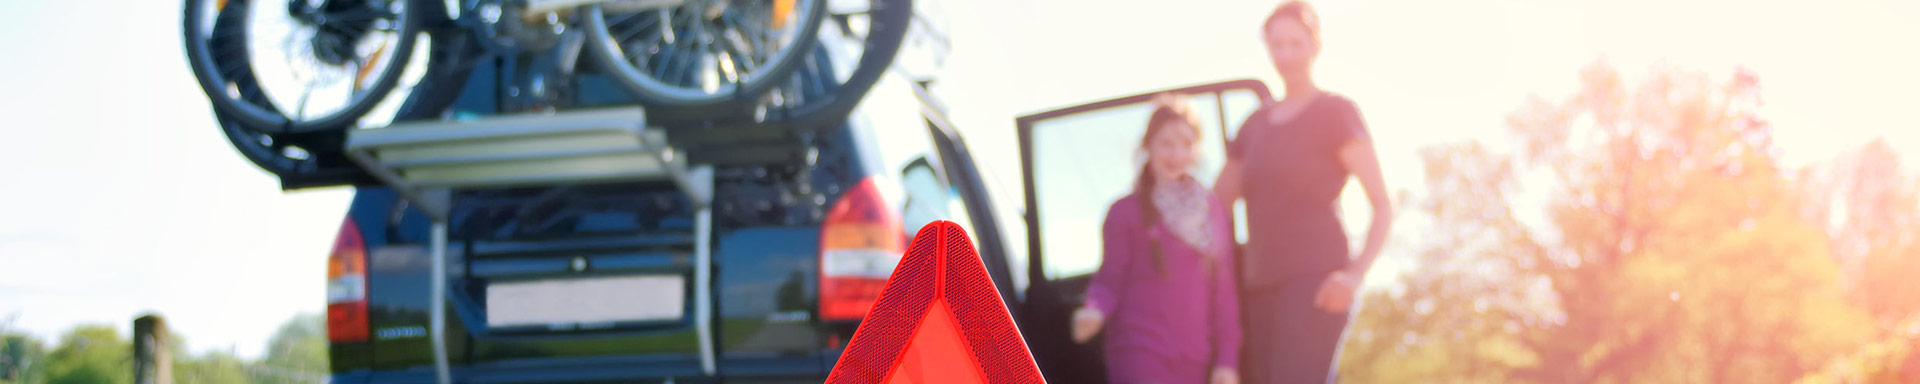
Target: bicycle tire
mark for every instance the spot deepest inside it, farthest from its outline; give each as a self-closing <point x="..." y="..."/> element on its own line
<point x="888" y="23"/>
<point x="319" y="161"/>
<point x="669" y="101"/>
<point x="216" y="78"/>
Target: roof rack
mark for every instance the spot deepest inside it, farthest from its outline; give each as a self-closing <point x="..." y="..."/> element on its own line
<point x="425" y="159"/>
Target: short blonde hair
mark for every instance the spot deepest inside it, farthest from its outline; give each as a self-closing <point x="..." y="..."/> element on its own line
<point x="1297" y="10"/>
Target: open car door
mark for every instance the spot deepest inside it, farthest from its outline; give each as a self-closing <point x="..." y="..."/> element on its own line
<point x="1076" y="162"/>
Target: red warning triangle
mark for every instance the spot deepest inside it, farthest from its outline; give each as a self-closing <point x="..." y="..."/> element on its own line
<point x="939" y="320"/>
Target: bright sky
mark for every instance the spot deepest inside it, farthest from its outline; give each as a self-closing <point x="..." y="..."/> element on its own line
<point x="123" y="198"/>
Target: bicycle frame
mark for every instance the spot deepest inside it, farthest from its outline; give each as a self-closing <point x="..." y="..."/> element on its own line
<point x="549" y="6"/>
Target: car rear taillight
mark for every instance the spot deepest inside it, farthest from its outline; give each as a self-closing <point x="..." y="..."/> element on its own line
<point x="347" y="286"/>
<point x="860" y="243"/>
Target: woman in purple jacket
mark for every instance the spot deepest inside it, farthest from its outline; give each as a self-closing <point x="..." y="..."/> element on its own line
<point x="1165" y="291"/>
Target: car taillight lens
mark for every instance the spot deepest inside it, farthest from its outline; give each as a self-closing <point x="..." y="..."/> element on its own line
<point x="860" y="243"/>
<point x="347" y="286"/>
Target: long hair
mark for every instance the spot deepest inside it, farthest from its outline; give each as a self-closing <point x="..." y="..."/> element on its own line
<point x="1168" y="109"/>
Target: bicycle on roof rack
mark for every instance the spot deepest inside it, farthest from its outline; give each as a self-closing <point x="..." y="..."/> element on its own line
<point x="287" y="79"/>
<point x="336" y="59"/>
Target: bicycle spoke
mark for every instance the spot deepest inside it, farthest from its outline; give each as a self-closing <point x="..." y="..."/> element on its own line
<point x="659" y="53"/>
<point x="684" y="64"/>
<point x="360" y="74"/>
<point x="719" y="53"/>
<point x="721" y="57"/>
<point x="759" y="37"/>
<point x="344" y="28"/>
<point x="659" y="50"/>
<point x="670" y="49"/>
<point x="362" y="15"/>
<point x="731" y="22"/>
<point x="364" y="64"/>
<point x="629" y="32"/>
<point x="375" y="45"/>
<point x="355" y="28"/>
<point x="622" y="18"/>
<point x="674" y="67"/>
<point x="652" y="21"/>
<point x="750" y="27"/>
<point x="666" y="26"/>
<point x="628" y="35"/>
<point x="300" y="109"/>
<point x="689" y="58"/>
<point x="636" y="57"/>
<point x="690" y="71"/>
<point x="682" y="17"/>
<point x="699" y="50"/>
<point x="643" y="24"/>
<point x="741" y="69"/>
<point x="657" y="61"/>
<point x="742" y="63"/>
<point x="696" y="66"/>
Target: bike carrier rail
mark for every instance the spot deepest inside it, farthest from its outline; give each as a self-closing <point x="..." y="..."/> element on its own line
<point x="427" y="161"/>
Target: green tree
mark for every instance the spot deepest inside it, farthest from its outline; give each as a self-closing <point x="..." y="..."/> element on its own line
<point x="20" y="358"/>
<point x="1461" y="317"/>
<point x="1892" y="359"/>
<point x="1870" y="206"/>
<point x="1673" y="249"/>
<point x="211" y="368"/>
<point x="20" y="354"/>
<point x="297" y="353"/>
<point x="90" y="354"/>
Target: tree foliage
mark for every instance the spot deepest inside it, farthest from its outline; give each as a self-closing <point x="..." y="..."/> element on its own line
<point x="90" y="354"/>
<point x="297" y="353"/>
<point x="1673" y="247"/>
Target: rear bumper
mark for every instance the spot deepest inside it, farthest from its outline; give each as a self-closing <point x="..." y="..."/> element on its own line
<point x="426" y="377"/>
<point x="613" y="370"/>
<point x="543" y="372"/>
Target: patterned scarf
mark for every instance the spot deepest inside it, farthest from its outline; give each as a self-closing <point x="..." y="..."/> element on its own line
<point x="1183" y="210"/>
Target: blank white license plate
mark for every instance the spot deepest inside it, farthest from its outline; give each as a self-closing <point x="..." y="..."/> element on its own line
<point x="586" y="302"/>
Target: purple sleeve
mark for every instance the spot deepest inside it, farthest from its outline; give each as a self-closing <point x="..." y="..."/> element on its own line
<point x="1117" y="253"/>
<point x="1226" y="298"/>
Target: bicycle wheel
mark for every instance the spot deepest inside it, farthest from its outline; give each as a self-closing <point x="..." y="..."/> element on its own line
<point x="702" y="58"/>
<point x="315" y="159"/>
<point x="319" y="64"/>
<point x="886" y="25"/>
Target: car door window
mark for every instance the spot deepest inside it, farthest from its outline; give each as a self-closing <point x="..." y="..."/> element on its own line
<point x="931" y="196"/>
<point x="1235" y="106"/>
<point x="927" y="196"/>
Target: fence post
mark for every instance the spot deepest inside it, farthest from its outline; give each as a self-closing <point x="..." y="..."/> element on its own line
<point x="152" y="363"/>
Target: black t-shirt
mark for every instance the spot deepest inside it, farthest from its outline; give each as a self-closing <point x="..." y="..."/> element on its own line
<point x="1291" y="178"/>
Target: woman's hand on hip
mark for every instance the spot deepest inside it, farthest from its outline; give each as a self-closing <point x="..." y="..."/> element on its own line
<point x="1336" y="292"/>
<point x="1086" y="323"/>
<point x="1224" y="375"/>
